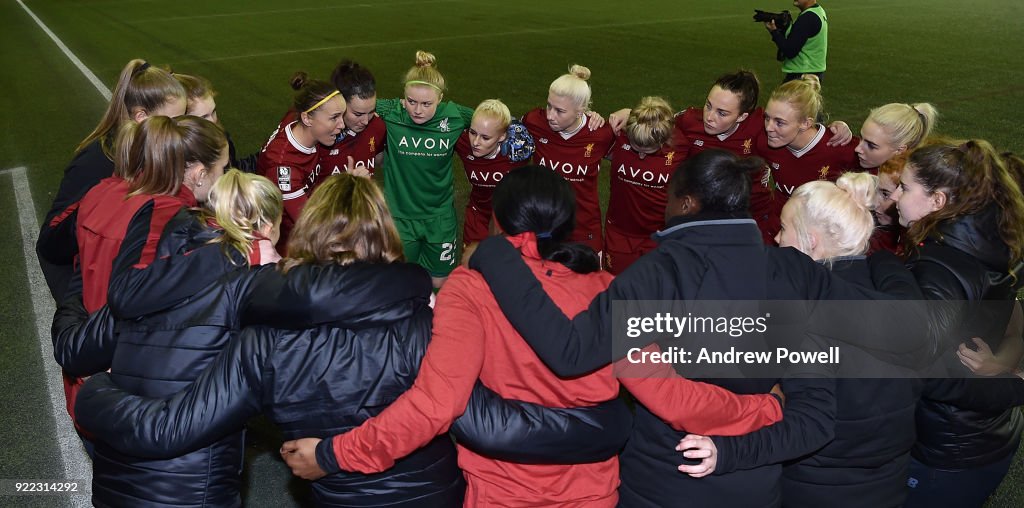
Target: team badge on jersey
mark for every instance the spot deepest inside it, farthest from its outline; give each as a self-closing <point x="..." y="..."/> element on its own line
<point x="284" y="178"/>
<point x="746" y="146"/>
<point x="823" y="173"/>
<point x="589" y="150"/>
<point x="698" y="142"/>
<point x="669" y="157"/>
<point x="334" y="151"/>
<point x="626" y="147"/>
<point x="543" y="140"/>
<point x="373" y="142"/>
<point x="444" y="125"/>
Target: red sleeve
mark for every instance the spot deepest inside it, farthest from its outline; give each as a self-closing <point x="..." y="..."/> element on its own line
<point x="692" y="406"/>
<point x="450" y="367"/>
<point x="290" y="179"/>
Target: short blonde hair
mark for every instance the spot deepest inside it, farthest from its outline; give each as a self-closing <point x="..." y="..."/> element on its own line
<point x="494" y="108"/>
<point x="242" y="204"/>
<point x="906" y="124"/>
<point x="345" y="220"/>
<point x="803" y="94"/>
<point x="650" y="124"/>
<point x="425" y="72"/>
<point x="574" y="86"/>
<point x="840" y="212"/>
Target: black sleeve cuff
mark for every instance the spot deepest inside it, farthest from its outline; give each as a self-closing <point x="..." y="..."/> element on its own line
<point x="725" y="463"/>
<point x="325" y="456"/>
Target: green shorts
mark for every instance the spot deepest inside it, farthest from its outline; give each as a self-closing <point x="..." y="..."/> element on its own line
<point x="431" y="243"/>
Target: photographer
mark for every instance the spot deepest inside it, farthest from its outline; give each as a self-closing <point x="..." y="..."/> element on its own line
<point x="803" y="46"/>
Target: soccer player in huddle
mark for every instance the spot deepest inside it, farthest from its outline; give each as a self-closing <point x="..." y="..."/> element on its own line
<point x="568" y="144"/>
<point x="418" y="175"/>
<point x="290" y="157"/>
<point x="491" y="147"/>
<point x="364" y="136"/>
<point x="796" y="148"/>
<point x="645" y="155"/>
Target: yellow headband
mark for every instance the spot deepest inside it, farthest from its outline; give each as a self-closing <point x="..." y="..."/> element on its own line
<point x="418" y="82"/>
<point x="322" y="101"/>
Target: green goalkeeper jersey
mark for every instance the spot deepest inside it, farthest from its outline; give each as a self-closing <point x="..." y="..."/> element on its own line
<point x="418" y="166"/>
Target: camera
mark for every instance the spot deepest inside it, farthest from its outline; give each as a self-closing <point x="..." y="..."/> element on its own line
<point x="782" y="19"/>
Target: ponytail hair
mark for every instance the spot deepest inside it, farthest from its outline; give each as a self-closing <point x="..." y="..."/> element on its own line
<point x="972" y="175"/>
<point x="574" y="86"/>
<point x="242" y="204"/>
<point x="840" y="212"/>
<point x="535" y="199"/>
<point x="140" y="85"/>
<point x="152" y="155"/>
<point x="907" y="124"/>
<point x="425" y="73"/>
<point x="650" y="124"/>
<point x="310" y="94"/>
<point x="345" y="220"/>
<point x="744" y="84"/>
<point x="803" y="94"/>
<point x="719" y="179"/>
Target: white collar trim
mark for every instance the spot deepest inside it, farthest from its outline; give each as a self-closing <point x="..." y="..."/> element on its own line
<point x="295" y="143"/>
<point x="810" y="146"/>
<point x="725" y="135"/>
<point x="569" y="134"/>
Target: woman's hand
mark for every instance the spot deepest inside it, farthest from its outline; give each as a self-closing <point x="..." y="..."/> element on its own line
<point x="982" y="362"/>
<point x="841" y="133"/>
<point x="300" y="455"/>
<point x="596" y="120"/>
<point x="698" y="447"/>
<point x="617" y="120"/>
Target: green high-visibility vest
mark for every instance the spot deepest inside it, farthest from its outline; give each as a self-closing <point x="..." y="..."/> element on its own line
<point x="812" y="56"/>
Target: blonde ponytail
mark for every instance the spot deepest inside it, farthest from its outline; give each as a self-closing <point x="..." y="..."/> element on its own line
<point x="242" y="204"/>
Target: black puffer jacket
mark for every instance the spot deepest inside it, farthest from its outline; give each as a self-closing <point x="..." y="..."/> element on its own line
<point x="314" y="382"/>
<point x="159" y="354"/>
<point x="966" y="261"/>
<point x="860" y="466"/>
<point x="703" y="257"/>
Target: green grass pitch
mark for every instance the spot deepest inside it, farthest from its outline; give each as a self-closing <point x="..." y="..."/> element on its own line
<point x="964" y="57"/>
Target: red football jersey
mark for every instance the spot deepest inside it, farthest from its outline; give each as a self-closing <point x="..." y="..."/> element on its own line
<point x="742" y="141"/>
<point x="289" y="164"/>
<point x="483" y="174"/>
<point x="363" y="147"/>
<point x="636" y="204"/>
<point x="578" y="160"/>
<point x="788" y="169"/>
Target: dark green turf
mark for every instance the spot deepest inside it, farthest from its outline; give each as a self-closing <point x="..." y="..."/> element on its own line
<point x="962" y="56"/>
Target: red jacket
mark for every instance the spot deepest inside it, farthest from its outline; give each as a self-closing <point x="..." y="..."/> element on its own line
<point x="103" y="217"/>
<point x="473" y="340"/>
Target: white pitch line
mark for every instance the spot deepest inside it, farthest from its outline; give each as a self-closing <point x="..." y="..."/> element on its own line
<point x="76" y="463"/>
<point x="100" y="87"/>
